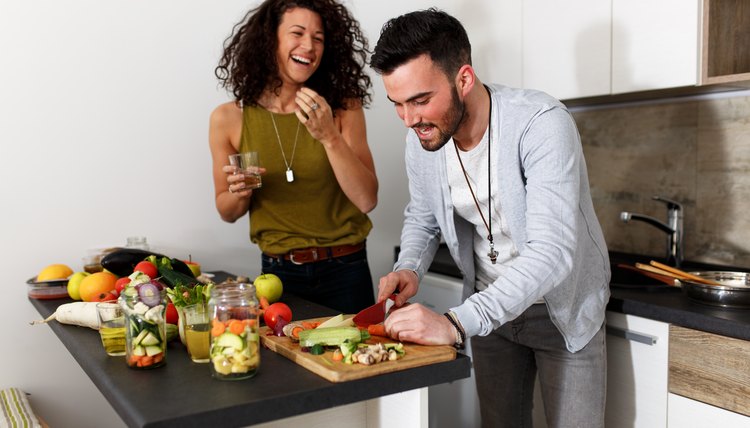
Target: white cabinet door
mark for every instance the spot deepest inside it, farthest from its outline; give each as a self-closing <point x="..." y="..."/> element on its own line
<point x="655" y="44"/>
<point x="494" y="29"/>
<point x="684" y="412"/>
<point x="637" y="372"/>
<point x="566" y="47"/>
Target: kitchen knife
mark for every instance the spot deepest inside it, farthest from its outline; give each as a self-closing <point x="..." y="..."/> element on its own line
<point x="374" y="314"/>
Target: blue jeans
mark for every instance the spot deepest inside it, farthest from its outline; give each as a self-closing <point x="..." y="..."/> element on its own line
<point x="506" y="362"/>
<point x="341" y="283"/>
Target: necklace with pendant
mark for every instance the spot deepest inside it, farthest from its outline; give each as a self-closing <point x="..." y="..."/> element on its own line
<point x="289" y="172"/>
<point x="492" y="254"/>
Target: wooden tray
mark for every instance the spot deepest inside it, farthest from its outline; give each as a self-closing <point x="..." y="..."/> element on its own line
<point x="338" y="371"/>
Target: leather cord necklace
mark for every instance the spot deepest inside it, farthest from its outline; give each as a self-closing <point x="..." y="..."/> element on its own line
<point x="289" y="172"/>
<point x="492" y="254"/>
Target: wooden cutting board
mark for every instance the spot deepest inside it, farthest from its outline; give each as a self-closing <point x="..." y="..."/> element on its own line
<point x="338" y="371"/>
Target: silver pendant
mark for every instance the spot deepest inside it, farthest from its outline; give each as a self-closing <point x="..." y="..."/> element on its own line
<point x="492" y="254"/>
<point x="289" y="175"/>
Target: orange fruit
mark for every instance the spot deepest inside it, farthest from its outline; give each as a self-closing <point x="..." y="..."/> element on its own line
<point x="55" y="271"/>
<point x="95" y="284"/>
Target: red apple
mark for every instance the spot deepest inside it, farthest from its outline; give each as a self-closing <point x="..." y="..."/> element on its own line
<point x="194" y="267"/>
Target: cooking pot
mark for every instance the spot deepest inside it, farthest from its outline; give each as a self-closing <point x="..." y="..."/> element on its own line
<point x="733" y="291"/>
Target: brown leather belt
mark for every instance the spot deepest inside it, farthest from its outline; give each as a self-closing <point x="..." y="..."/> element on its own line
<point x="316" y="254"/>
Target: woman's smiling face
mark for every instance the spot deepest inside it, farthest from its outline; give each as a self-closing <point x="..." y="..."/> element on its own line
<point x="300" y="45"/>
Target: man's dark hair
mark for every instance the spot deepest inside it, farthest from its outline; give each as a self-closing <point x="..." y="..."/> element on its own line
<point x="432" y="32"/>
<point x="248" y="65"/>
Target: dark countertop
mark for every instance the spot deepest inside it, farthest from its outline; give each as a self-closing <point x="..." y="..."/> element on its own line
<point x="652" y="300"/>
<point x="183" y="393"/>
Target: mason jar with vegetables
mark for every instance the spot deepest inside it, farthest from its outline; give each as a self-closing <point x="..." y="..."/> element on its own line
<point x="144" y="303"/>
<point x="235" y="343"/>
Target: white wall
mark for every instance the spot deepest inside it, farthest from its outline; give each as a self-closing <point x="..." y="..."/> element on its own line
<point x="104" y="109"/>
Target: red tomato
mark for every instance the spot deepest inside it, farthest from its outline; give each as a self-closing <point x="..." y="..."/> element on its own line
<point x="148" y="268"/>
<point x="121" y="284"/>
<point x="274" y="311"/>
<point x="104" y="297"/>
<point x="171" y="314"/>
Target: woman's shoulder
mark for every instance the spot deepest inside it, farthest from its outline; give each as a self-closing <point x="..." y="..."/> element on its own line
<point x="226" y="115"/>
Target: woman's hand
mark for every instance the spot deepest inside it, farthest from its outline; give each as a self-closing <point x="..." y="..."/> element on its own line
<point x="344" y="139"/>
<point x="315" y="113"/>
<point x="236" y="181"/>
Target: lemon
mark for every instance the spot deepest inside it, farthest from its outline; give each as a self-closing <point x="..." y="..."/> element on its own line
<point x="55" y="271"/>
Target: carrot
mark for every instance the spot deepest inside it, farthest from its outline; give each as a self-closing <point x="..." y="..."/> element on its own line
<point x="309" y="325"/>
<point x="296" y="331"/>
<point x="249" y="322"/>
<point x="146" y="361"/>
<point x="264" y="302"/>
<point x="377" y="330"/>
<point x="236" y="327"/>
<point x="338" y="355"/>
<point x="158" y="357"/>
<point x="218" y="328"/>
<point x="77" y="313"/>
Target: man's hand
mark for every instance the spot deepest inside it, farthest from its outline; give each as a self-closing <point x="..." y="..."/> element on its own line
<point x="415" y="323"/>
<point x="403" y="281"/>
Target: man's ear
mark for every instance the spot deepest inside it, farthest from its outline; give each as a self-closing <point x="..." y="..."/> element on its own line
<point x="465" y="79"/>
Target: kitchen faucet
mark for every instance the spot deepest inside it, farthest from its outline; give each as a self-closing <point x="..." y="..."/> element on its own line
<point x="673" y="228"/>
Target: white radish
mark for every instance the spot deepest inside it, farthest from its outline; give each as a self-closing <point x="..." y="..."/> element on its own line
<point x="77" y="313"/>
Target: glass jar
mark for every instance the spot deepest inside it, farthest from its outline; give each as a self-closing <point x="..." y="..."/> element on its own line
<point x="138" y="242"/>
<point x="235" y="343"/>
<point x="145" y="326"/>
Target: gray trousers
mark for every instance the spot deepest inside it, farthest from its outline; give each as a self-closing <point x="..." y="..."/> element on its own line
<point x="573" y="385"/>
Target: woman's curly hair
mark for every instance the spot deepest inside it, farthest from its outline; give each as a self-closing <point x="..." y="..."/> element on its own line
<point x="248" y="65"/>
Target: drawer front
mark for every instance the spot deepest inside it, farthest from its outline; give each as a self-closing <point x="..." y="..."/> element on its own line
<point x="710" y="368"/>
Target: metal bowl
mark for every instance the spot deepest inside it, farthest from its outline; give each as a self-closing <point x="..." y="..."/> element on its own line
<point x="734" y="291"/>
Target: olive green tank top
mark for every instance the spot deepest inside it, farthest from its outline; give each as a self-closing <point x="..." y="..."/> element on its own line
<point x="312" y="210"/>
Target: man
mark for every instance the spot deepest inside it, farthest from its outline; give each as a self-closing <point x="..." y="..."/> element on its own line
<point x="500" y="176"/>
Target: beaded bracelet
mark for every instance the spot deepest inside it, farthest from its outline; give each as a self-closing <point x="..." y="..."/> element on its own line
<point x="461" y="337"/>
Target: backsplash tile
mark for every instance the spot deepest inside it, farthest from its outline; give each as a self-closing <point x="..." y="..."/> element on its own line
<point x="696" y="152"/>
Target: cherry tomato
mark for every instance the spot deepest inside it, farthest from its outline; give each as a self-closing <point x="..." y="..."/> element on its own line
<point x="148" y="268"/>
<point x="171" y="314"/>
<point x="274" y="311"/>
<point x="105" y="297"/>
<point x="121" y="284"/>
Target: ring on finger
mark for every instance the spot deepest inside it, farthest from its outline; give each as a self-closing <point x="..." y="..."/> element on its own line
<point x="314" y="106"/>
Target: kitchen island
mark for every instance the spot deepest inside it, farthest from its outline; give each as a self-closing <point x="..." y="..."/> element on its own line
<point x="184" y="394"/>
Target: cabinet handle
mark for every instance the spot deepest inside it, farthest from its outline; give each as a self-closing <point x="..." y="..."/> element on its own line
<point x="646" y="339"/>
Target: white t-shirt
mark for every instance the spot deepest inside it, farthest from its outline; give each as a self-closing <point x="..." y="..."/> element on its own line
<point x="475" y="163"/>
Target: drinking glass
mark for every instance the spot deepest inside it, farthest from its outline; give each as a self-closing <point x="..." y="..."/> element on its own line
<point x="111" y="327"/>
<point x="248" y="165"/>
<point x="196" y="330"/>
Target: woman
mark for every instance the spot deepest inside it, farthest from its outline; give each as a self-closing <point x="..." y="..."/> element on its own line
<point x="295" y="68"/>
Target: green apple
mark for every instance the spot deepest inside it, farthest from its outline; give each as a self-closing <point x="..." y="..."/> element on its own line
<point x="74" y="282"/>
<point x="269" y="286"/>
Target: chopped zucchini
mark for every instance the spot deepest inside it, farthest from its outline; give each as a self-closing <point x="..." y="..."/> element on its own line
<point x="332" y="336"/>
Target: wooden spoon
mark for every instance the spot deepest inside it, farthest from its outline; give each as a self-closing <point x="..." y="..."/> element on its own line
<point x="684" y="274"/>
<point x="669" y="280"/>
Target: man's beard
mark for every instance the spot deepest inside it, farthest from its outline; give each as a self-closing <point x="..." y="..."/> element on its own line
<point x="454" y="117"/>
